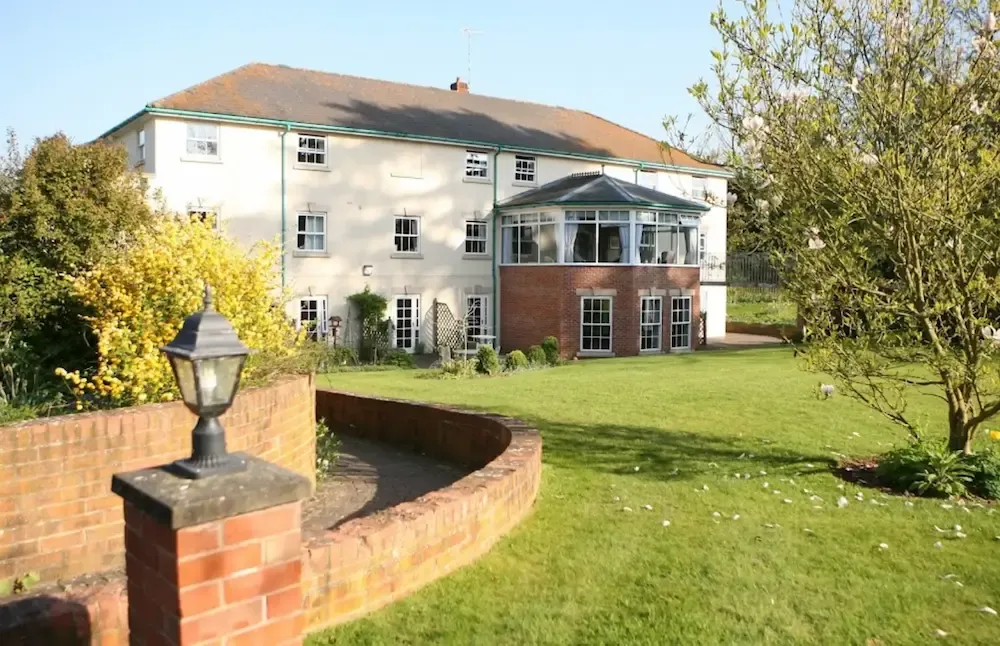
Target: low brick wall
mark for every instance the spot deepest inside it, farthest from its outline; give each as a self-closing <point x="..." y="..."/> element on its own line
<point x="371" y="561"/>
<point x="58" y="516"/>
<point x="365" y="563"/>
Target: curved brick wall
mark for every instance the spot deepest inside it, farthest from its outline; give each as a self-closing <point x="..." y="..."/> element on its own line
<point x="371" y="561"/>
<point x="364" y="563"/>
<point x="58" y="516"/>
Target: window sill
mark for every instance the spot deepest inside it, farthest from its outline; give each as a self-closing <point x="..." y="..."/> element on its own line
<point x="310" y="254"/>
<point x="477" y="180"/>
<point x="407" y="256"/>
<point x="681" y="350"/>
<point x="476" y="256"/>
<point x="201" y="159"/>
<point x="651" y="351"/>
<point x="141" y="164"/>
<point x="322" y="169"/>
<point x="529" y="184"/>
<point x="595" y="354"/>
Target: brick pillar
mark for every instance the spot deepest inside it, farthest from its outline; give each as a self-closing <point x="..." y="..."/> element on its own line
<point x="216" y="560"/>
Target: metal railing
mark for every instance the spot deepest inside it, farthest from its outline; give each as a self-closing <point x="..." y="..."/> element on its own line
<point x="713" y="268"/>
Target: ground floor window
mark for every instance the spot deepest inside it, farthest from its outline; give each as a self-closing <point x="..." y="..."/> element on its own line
<point x="312" y="316"/>
<point x="477" y="328"/>
<point x="595" y="324"/>
<point x="406" y="322"/>
<point x="680" y="322"/>
<point x="650" y="323"/>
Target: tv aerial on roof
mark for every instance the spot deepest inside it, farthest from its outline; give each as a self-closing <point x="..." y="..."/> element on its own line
<point x="469" y="33"/>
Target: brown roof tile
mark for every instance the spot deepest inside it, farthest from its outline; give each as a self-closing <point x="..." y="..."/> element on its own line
<point x="307" y="96"/>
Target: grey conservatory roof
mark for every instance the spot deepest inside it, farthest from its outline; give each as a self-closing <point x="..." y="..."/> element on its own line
<point x="592" y="189"/>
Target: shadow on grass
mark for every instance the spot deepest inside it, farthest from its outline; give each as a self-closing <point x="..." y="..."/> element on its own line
<point x="664" y="453"/>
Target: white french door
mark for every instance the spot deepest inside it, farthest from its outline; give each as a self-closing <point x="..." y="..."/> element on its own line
<point x="477" y="327"/>
<point x="680" y="323"/>
<point x="406" y="322"/>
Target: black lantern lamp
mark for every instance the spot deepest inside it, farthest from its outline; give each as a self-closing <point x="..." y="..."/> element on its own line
<point x="207" y="358"/>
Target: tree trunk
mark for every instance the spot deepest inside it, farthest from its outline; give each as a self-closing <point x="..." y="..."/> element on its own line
<point x="959" y="434"/>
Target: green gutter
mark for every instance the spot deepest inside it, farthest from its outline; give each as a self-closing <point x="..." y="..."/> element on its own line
<point x="496" y="236"/>
<point x="318" y="127"/>
<point x="284" y="225"/>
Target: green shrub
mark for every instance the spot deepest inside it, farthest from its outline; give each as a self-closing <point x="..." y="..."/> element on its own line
<point x="927" y="468"/>
<point x="458" y="368"/>
<point x="516" y="361"/>
<point x="399" y="358"/>
<point x="340" y="356"/>
<point x="551" y="348"/>
<point x="537" y="356"/>
<point x="327" y="449"/>
<point x="986" y="481"/>
<point x="374" y="324"/>
<point x="487" y="361"/>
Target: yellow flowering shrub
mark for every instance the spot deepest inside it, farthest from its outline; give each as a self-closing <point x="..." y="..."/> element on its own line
<point x="140" y="297"/>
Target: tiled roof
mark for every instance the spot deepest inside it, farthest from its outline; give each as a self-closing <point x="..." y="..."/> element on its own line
<point x="283" y="93"/>
<point x="599" y="189"/>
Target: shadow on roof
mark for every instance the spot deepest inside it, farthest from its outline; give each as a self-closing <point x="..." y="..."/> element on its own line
<point x="454" y="124"/>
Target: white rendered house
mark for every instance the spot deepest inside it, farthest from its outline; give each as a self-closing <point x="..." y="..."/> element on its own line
<point x="413" y="191"/>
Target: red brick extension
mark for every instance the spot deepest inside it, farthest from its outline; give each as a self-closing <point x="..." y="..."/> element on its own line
<point x="541" y="301"/>
<point x="57" y="514"/>
<point x="354" y="569"/>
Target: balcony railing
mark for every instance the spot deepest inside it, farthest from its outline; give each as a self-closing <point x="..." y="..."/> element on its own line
<point x="713" y="268"/>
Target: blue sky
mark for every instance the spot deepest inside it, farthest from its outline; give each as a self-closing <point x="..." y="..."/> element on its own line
<point x="81" y="67"/>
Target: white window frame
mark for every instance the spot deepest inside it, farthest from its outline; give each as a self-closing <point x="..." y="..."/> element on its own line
<point x="398" y="237"/>
<point x="647" y="175"/>
<point x="202" y="138"/>
<point x="300" y="231"/>
<point x="525" y="170"/>
<point x="663" y="219"/>
<point x="699" y="187"/>
<point x="484" y="319"/>
<point x="203" y="211"/>
<point x="511" y="228"/>
<point x="306" y="151"/>
<point x="141" y="144"/>
<point x="702" y="245"/>
<point x="414" y="321"/>
<point x="477" y="166"/>
<point x="476" y="239"/>
<point x="658" y="325"/>
<point x="681" y="329"/>
<point x="319" y="306"/>
<point x="610" y="325"/>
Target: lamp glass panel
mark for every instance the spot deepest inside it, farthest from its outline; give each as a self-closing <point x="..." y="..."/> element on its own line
<point x="184" y="369"/>
<point x="217" y="380"/>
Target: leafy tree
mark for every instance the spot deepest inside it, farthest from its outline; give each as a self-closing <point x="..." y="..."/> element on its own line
<point x="63" y="208"/>
<point x="874" y="121"/>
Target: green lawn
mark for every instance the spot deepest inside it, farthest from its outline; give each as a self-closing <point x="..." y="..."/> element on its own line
<point x="581" y="570"/>
<point x="752" y="305"/>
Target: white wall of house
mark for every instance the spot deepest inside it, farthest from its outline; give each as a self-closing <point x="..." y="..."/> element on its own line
<point x="365" y="183"/>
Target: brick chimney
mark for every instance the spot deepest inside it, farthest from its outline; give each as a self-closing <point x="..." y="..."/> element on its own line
<point x="460" y="86"/>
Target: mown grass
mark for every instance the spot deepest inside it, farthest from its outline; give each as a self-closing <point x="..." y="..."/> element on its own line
<point x="757" y="305"/>
<point x="581" y="570"/>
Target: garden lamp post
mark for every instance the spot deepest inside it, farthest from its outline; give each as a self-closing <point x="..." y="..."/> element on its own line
<point x="207" y="358"/>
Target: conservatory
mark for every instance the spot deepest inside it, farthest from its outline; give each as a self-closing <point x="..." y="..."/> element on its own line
<point x="608" y="267"/>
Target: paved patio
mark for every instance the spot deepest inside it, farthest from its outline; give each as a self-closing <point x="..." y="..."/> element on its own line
<point x="369" y="477"/>
<point x="737" y="341"/>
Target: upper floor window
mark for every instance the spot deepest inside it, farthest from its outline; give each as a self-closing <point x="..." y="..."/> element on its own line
<point x="407" y="234"/>
<point x="597" y="236"/>
<point x="141" y="144"/>
<point x="311" y="232"/>
<point x="475" y="237"/>
<point x="477" y="165"/>
<point x="524" y="169"/>
<point x="647" y="178"/>
<point x="311" y="151"/>
<point x="699" y="188"/>
<point x="666" y="239"/>
<point x="203" y="139"/>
